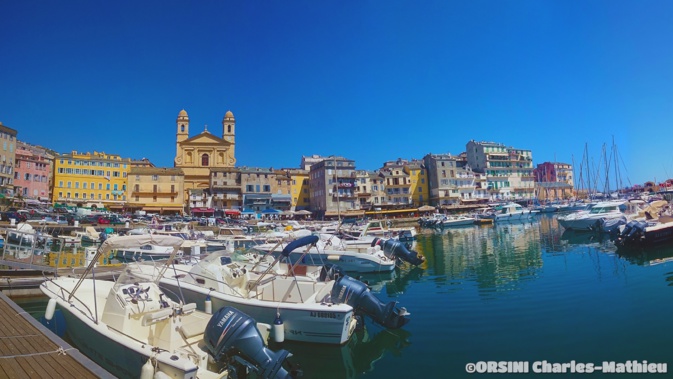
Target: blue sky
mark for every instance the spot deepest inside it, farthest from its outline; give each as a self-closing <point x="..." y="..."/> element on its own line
<point x="369" y="80"/>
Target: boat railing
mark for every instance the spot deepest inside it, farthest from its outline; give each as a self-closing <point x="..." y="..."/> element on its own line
<point x="37" y="250"/>
<point x="68" y="297"/>
<point x="200" y="279"/>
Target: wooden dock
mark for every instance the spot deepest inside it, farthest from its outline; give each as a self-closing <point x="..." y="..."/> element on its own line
<point x="30" y="350"/>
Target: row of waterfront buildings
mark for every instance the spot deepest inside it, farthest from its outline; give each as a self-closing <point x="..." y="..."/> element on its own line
<point x="205" y="179"/>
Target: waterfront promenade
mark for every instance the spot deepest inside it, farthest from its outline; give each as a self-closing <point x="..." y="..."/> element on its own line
<point x="30" y="350"/>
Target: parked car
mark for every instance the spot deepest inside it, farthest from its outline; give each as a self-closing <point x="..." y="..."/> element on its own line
<point x="94" y="220"/>
<point x="113" y="220"/>
<point x="19" y="217"/>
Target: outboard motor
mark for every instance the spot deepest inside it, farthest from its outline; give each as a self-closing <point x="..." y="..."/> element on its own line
<point x="231" y="335"/>
<point x="394" y="248"/>
<point x="632" y="231"/>
<point x="353" y="292"/>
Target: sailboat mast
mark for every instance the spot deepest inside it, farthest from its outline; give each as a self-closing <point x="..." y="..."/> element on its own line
<point x="607" y="171"/>
<point x="618" y="179"/>
<point x="586" y="156"/>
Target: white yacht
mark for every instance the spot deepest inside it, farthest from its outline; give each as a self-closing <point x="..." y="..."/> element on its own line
<point x="592" y="220"/>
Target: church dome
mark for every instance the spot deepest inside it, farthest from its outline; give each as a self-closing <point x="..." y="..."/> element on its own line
<point x="183" y="113"/>
<point x="229" y="114"/>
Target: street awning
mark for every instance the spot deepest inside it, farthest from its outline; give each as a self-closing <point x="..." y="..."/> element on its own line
<point x="203" y="210"/>
<point x="232" y="212"/>
<point x="271" y="210"/>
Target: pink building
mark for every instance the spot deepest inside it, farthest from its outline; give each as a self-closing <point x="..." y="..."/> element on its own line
<point x="32" y="172"/>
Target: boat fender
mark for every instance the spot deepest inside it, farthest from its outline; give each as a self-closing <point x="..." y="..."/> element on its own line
<point x="147" y="371"/>
<point x="278" y="329"/>
<point x="51" y="308"/>
<point x="208" y="306"/>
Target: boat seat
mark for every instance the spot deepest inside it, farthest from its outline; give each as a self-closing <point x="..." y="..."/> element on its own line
<point x="188" y="308"/>
<point x="193" y="326"/>
<point x="665" y="219"/>
<point x="156" y="316"/>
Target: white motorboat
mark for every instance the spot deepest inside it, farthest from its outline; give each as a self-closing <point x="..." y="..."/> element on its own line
<point x="351" y="256"/>
<point x="439" y="220"/>
<point x="377" y="228"/>
<point x="313" y="304"/>
<point x="602" y="216"/>
<point x="140" y="332"/>
<point x="513" y="212"/>
<point x="231" y="238"/>
<point x="145" y="252"/>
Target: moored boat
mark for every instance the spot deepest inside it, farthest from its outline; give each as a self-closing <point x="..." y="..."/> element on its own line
<point x="316" y="304"/>
<point x="140" y="331"/>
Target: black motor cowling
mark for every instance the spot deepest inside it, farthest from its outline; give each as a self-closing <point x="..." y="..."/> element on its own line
<point x="632" y="231"/>
<point x="395" y="249"/>
<point x="231" y="334"/>
<point x="353" y="292"/>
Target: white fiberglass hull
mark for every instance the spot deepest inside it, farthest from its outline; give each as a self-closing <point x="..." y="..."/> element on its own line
<point x="349" y="261"/>
<point x="307" y="322"/>
<point x="525" y="215"/>
<point x="115" y="351"/>
<point x="586" y="221"/>
<point x="458" y="222"/>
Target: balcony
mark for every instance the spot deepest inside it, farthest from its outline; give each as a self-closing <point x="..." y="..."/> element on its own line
<point x="343" y="195"/>
<point x="153" y="193"/>
<point x="225" y="186"/>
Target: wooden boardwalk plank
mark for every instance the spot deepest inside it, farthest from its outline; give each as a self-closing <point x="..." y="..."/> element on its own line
<point x="29" y="350"/>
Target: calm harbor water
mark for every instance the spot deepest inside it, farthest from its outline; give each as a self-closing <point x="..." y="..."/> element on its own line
<point x="506" y="292"/>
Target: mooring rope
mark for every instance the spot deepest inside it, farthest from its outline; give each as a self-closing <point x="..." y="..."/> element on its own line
<point x="59" y="351"/>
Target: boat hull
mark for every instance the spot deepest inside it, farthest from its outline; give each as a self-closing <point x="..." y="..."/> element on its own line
<point x="317" y="323"/>
<point x="120" y="354"/>
<point x="462" y="222"/>
<point x="348" y="261"/>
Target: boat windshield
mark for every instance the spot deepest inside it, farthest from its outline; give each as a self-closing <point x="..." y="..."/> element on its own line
<point x="142" y="273"/>
<point x="606" y="209"/>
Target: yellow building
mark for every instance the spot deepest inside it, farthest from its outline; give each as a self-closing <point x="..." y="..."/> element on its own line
<point x="156" y="190"/>
<point x="419" y="186"/>
<point x="299" y="188"/>
<point x="95" y="180"/>
<point x="197" y="155"/>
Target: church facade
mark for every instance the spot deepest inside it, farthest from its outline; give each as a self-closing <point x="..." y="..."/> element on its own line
<point x="197" y="155"/>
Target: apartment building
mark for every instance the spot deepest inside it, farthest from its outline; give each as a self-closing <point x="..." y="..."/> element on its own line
<point x="452" y="181"/>
<point x="226" y="191"/>
<point x="332" y="187"/>
<point x="97" y="180"/>
<point x="7" y="159"/>
<point x="156" y="190"/>
<point x="554" y="180"/>
<point x="299" y="189"/>
<point x="33" y="173"/>
<point x="509" y="170"/>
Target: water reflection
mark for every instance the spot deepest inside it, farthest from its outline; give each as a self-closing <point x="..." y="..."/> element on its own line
<point x="356" y="357"/>
<point x="495" y="257"/>
<point x="649" y="256"/>
<point x="556" y="239"/>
